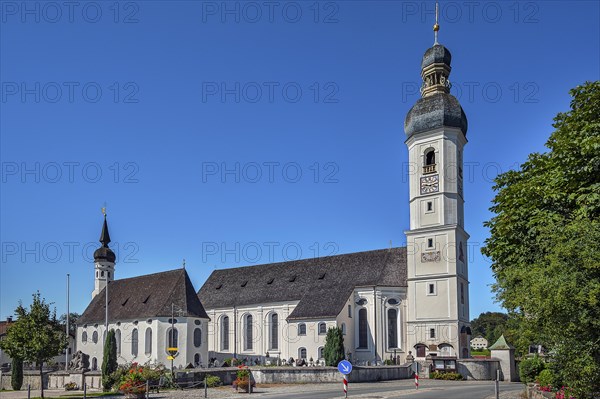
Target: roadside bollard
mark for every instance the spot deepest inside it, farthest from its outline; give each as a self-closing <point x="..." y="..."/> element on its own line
<point x="85" y="390"/>
<point x="497" y="384"/>
<point x="205" y="385"/>
<point x="28" y="391"/>
<point x="147" y="389"/>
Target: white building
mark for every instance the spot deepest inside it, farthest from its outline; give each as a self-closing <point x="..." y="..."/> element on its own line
<point x="388" y="302"/>
<point x="140" y="311"/>
<point x="479" y="343"/>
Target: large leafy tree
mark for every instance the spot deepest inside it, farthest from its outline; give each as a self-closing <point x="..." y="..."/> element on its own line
<point x="36" y="336"/>
<point x="490" y="325"/>
<point x="333" y="351"/>
<point x="73" y="318"/>
<point x="545" y="242"/>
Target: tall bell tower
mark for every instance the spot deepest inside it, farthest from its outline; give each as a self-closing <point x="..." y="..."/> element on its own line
<point x="438" y="294"/>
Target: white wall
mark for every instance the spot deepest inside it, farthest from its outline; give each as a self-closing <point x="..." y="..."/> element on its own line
<point x="159" y="327"/>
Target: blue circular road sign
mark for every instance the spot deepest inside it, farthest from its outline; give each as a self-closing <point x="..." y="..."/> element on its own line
<point x="345" y="367"/>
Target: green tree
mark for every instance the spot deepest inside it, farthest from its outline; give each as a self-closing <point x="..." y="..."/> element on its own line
<point x="545" y="243"/>
<point x="490" y="325"/>
<point x="73" y="317"/>
<point x="36" y="336"/>
<point x="333" y="351"/>
<point x="16" y="374"/>
<point x="109" y="360"/>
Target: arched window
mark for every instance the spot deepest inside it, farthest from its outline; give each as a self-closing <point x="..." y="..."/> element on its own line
<point x="343" y="328"/>
<point x="274" y="344"/>
<point x="102" y="273"/>
<point x="148" y="341"/>
<point x="225" y="333"/>
<point x="430" y="157"/>
<point x="172" y="338"/>
<point x="95" y="337"/>
<point x="462" y="294"/>
<point x="322" y="328"/>
<point x="392" y="328"/>
<point x="302" y="353"/>
<point x="84" y="337"/>
<point x="446" y="350"/>
<point x="363" y="327"/>
<point x="134" y="342"/>
<point x="320" y="352"/>
<point x="197" y="359"/>
<point x="94" y="363"/>
<point x="301" y="329"/>
<point x="248" y="328"/>
<point x="118" y="340"/>
<point x="420" y="350"/>
<point x="197" y="337"/>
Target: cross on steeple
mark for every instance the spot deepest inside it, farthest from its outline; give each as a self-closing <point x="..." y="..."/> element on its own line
<point x="436" y="27"/>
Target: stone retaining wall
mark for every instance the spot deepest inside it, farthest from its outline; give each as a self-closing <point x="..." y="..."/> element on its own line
<point x="478" y="369"/>
<point x="262" y="375"/>
<point x="30" y="377"/>
<point x="58" y="379"/>
<point x="294" y="375"/>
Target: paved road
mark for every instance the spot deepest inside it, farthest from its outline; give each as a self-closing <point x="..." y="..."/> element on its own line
<point x="429" y="389"/>
<point x="404" y="389"/>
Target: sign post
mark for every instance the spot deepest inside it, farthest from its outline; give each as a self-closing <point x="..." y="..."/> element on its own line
<point x="172" y="354"/>
<point x="415" y="368"/>
<point x="345" y="367"/>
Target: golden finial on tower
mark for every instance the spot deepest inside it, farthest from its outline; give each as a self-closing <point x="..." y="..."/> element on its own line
<point x="183" y="263"/>
<point x="104" y="209"/>
<point x="436" y="27"/>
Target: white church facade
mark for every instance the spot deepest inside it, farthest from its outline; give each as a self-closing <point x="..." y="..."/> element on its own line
<point x="387" y="302"/>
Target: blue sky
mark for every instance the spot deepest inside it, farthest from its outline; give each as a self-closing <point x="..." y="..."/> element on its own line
<point x="235" y="133"/>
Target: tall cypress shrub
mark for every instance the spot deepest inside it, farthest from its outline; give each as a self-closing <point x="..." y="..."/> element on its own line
<point x="109" y="360"/>
<point x="334" y="347"/>
<point x="16" y="377"/>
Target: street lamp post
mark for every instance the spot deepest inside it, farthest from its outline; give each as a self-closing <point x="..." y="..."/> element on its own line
<point x="68" y="332"/>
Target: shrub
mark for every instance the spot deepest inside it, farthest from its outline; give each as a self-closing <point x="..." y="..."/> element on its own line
<point x="71" y="386"/>
<point x="133" y="382"/>
<point x="16" y="377"/>
<point x="109" y="362"/>
<point x="440" y="375"/>
<point x="333" y="351"/>
<point x="529" y="369"/>
<point x="244" y="380"/>
<point x="546" y="378"/>
<point x="213" y="381"/>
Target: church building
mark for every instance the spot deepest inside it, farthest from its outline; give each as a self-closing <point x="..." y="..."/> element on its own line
<point x="387" y="302"/>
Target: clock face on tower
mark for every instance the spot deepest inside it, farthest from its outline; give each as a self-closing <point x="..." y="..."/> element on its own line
<point x="430" y="184"/>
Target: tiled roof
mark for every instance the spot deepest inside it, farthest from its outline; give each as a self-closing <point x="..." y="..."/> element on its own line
<point x="146" y="296"/>
<point x="320" y="285"/>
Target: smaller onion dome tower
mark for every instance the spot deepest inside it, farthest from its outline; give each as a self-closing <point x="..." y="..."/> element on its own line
<point x="104" y="261"/>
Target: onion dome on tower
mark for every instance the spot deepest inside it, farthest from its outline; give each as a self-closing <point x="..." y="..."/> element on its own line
<point x="104" y="253"/>
<point x="437" y="107"/>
